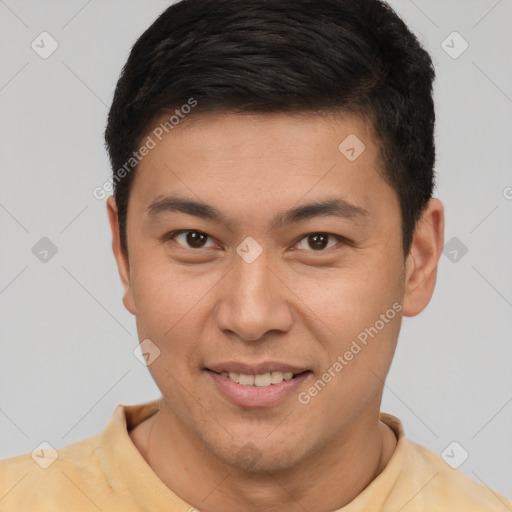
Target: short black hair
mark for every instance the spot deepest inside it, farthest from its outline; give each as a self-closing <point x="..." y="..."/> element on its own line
<point x="286" y="56"/>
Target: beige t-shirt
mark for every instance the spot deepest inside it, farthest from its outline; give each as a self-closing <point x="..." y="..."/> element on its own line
<point x="107" y="473"/>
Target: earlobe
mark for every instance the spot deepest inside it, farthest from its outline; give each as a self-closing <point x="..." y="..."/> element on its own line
<point x="423" y="259"/>
<point x="122" y="261"/>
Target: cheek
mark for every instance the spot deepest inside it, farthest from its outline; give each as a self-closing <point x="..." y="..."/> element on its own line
<point x="172" y="309"/>
<point x="162" y="293"/>
<point x="358" y="316"/>
<point x="345" y="301"/>
<point x="365" y="314"/>
<point x="358" y="362"/>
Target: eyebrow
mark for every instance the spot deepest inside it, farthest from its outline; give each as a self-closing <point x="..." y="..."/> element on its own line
<point x="336" y="207"/>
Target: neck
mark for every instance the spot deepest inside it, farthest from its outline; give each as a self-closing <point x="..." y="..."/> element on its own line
<point x="326" y="480"/>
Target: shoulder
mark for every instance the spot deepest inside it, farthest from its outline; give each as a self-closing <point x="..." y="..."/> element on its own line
<point x="50" y="477"/>
<point x="441" y="487"/>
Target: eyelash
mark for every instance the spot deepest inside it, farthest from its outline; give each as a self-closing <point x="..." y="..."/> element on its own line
<point x="174" y="234"/>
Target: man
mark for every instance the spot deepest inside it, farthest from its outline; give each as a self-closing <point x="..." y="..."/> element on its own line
<point x="272" y="223"/>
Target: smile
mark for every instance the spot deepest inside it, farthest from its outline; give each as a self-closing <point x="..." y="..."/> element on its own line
<point x="258" y="390"/>
<point x="261" y="380"/>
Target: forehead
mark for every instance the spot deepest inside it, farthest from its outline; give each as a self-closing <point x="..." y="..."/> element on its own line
<point x="268" y="150"/>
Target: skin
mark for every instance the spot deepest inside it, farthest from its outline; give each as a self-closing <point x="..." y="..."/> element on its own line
<point x="295" y="303"/>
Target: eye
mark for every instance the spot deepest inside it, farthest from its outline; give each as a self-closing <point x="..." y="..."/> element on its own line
<point x="191" y="239"/>
<point x="319" y="241"/>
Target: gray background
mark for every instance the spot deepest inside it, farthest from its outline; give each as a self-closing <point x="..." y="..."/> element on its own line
<point x="67" y="341"/>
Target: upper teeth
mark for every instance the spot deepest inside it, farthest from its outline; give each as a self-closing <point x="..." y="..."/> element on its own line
<point x="261" y="380"/>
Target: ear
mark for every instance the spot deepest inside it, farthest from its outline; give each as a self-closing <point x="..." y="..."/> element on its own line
<point x="423" y="259"/>
<point x="122" y="261"/>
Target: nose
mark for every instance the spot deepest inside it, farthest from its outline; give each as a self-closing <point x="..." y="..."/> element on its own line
<point x="254" y="300"/>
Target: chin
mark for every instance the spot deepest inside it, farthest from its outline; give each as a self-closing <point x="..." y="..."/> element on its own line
<point x="258" y="457"/>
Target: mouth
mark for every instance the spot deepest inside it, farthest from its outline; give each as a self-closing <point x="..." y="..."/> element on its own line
<point x="263" y="385"/>
<point x="260" y="380"/>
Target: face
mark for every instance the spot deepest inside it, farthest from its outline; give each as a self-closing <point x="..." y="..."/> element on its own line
<point x="257" y="248"/>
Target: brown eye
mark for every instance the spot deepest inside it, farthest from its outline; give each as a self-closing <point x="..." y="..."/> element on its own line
<point x="190" y="238"/>
<point x="318" y="241"/>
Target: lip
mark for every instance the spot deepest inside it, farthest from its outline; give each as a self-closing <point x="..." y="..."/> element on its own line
<point x="254" y="368"/>
<point x="254" y="396"/>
